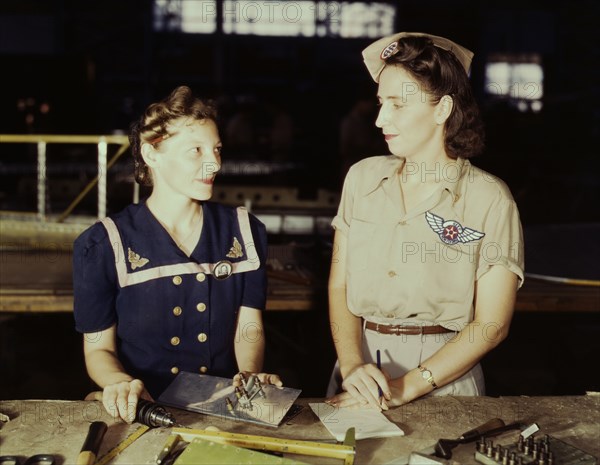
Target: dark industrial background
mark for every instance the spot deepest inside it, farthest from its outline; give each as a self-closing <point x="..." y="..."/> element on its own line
<point x="73" y="67"/>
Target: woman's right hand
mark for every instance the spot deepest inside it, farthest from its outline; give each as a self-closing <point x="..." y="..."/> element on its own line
<point x="363" y="383"/>
<point x="120" y="399"/>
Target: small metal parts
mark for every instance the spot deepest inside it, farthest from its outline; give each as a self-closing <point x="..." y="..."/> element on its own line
<point x="251" y="388"/>
<point x="529" y="450"/>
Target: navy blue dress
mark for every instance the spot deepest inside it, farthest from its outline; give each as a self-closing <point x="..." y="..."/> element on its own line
<point x="173" y="312"/>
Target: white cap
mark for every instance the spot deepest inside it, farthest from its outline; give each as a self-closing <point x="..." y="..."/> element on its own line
<point x="376" y="53"/>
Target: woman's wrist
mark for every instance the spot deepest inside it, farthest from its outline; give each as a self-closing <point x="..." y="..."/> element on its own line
<point x="250" y="366"/>
<point x="409" y="387"/>
<point x="117" y="378"/>
<point x="348" y="366"/>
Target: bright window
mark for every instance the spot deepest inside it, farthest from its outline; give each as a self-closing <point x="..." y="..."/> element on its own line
<point x="366" y="19"/>
<point x="277" y="18"/>
<point x="520" y="79"/>
<point x="269" y="18"/>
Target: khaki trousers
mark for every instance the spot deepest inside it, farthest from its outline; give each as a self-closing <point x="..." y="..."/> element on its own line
<point x="402" y="353"/>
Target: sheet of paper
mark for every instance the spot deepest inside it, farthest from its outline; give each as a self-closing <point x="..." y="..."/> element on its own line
<point x="369" y="423"/>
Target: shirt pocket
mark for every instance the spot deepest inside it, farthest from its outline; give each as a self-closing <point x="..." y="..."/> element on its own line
<point x="360" y="243"/>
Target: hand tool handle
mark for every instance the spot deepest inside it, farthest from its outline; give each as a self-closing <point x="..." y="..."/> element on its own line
<point x="92" y="442"/>
<point x="481" y="430"/>
<point x="500" y="429"/>
<point x="489" y="431"/>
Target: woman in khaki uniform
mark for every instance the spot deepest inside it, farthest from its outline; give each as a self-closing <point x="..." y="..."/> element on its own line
<point x="428" y="248"/>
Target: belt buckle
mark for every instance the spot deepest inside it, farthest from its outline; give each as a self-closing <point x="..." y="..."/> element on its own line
<point x="410" y="330"/>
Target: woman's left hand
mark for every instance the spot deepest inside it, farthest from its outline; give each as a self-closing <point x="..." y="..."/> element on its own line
<point x="348" y="400"/>
<point x="264" y="378"/>
<point x="368" y="385"/>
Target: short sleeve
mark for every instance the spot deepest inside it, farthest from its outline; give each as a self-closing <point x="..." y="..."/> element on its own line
<point x="94" y="281"/>
<point x="341" y="221"/>
<point x="255" y="282"/>
<point x="503" y="240"/>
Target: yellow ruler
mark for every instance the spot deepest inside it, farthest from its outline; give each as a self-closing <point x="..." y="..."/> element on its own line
<point x="345" y="451"/>
<point x="124" y="444"/>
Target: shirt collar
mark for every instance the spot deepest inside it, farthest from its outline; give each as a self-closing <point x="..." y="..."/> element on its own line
<point x="451" y="174"/>
<point x="388" y="169"/>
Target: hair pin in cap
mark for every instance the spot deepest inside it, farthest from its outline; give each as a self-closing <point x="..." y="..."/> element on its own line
<point x="376" y="53"/>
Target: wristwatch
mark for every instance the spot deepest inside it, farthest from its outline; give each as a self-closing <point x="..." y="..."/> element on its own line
<point x="427" y="376"/>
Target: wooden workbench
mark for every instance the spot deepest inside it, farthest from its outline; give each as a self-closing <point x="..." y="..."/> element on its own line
<point x="59" y="427"/>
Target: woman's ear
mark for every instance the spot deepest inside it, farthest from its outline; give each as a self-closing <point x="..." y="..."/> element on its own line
<point x="444" y="109"/>
<point x="149" y="154"/>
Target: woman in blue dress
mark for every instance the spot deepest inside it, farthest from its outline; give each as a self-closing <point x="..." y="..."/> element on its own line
<point x="176" y="283"/>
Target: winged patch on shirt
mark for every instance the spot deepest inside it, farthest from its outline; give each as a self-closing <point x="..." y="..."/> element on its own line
<point x="236" y="250"/>
<point x="135" y="260"/>
<point x="451" y="231"/>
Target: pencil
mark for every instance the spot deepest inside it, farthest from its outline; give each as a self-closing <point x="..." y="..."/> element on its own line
<point x="379" y="366"/>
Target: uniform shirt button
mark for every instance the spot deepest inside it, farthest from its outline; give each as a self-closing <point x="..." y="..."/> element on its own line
<point x="202" y="337"/>
<point x="175" y="341"/>
<point x="391" y="273"/>
<point x="201" y="307"/>
<point x="402" y="223"/>
<point x="200" y="277"/>
<point x="174" y="370"/>
<point x="177" y="311"/>
<point x="203" y="369"/>
<point x="177" y="280"/>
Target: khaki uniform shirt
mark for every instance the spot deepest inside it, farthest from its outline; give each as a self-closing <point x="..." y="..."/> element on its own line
<point x="422" y="265"/>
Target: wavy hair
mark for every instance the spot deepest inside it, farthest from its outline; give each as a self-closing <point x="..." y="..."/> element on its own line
<point x="152" y="127"/>
<point x="440" y="73"/>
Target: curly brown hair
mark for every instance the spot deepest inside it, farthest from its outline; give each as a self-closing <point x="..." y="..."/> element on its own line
<point x="440" y="73"/>
<point x="152" y="127"/>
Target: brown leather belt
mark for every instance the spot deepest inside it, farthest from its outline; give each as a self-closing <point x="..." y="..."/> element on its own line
<point x="404" y="329"/>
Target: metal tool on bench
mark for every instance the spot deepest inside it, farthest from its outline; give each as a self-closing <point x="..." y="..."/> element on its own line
<point x="154" y="415"/>
<point x="37" y="459"/>
<point x="252" y="401"/>
<point x="252" y="387"/>
<point x="111" y="454"/>
<point x="345" y="451"/>
<point x="168" y="452"/>
<point x="547" y="450"/>
<point x="443" y="448"/>
<point x="147" y="413"/>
